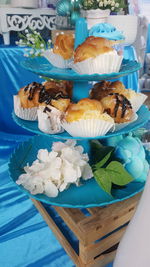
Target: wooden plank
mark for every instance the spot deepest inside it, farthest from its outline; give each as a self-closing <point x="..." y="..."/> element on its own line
<point x="94" y="210"/>
<point x="102" y="260"/>
<point x="88" y="229"/>
<point x="87" y="253"/>
<point x="109" y="219"/>
<point x="72" y="217"/>
<point x="64" y="242"/>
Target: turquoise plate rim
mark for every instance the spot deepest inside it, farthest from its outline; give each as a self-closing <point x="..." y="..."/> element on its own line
<point x="125" y="130"/>
<point x="51" y="201"/>
<point x="37" y="65"/>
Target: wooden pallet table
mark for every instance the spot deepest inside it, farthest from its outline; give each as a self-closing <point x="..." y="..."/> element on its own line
<point x="98" y="233"/>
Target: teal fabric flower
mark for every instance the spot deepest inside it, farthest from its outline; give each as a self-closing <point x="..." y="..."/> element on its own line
<point x="131" y="152"/>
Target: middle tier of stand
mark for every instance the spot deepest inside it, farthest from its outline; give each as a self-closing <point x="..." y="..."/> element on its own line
<point x="32" y="126"/>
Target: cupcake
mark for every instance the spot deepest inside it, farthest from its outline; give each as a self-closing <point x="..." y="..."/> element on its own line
<point x="61" y="54"/>
<point x="87" y="119"/>
<point x="108" y="31"/>
<point x="96" y="55"/>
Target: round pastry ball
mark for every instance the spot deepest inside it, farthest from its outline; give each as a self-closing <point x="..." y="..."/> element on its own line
<point x="64" y="45"/>
<point x="29" y="95"/>
<point x="100" y="90"/>
<point x="85" y="109"/>
<point x="118" y="107"/>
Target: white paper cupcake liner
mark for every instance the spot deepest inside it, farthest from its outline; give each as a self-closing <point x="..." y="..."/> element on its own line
<point x="119" y="126"/>
<point x="137" y="101"/>
<point x="49" y="123"/>
<point x="56" y="60"/>
<point x="29" y="114"/>
<point x="88" y="128"/>
<point x="104" y="63"/>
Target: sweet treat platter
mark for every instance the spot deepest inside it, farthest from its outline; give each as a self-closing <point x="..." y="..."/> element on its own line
<point x="68" y="107"/>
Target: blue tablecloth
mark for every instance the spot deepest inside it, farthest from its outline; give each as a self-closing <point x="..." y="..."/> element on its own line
<point x="25" y="239"/>
<point x="148" y="40"/>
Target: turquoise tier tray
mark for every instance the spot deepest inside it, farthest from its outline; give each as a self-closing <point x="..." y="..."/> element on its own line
<point x="41" y="66"/>
<point x="143" y="117"/>
<point x="89" y="194"/>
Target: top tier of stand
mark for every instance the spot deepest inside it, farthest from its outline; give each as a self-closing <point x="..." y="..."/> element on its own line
<point x="42" y="67"/>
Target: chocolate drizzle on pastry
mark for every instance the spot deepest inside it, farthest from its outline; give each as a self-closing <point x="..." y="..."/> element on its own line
<point x="46" y="109"/>
<point x="100" y="90"/>
<point x="32" y="88"/>
<point x="45" y="96"/>
<point x="122" y="101"/>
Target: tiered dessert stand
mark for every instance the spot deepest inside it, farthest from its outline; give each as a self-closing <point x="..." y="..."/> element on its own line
<point x="102" y="221"/>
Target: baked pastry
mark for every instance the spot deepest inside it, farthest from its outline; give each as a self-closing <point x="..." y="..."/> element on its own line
<point x="61" y="55"/>
<point x="33" y="95"/>
<point x="87" y="119"/>
<point x="96" y="55"/>
<point x="36" y="94"/>
<point x="29" y="95"/>
<point x="85" y="109"/>
<point x="55" y="94"/>
<point x="100" y="90"/>
<point x="136" y="99"/>
<point x="118" y="107"/>
<point x="64" y="45"/>
<point x="66" y="86"/>
<point x="26" y="102"/>
<point x="92" y="47"/>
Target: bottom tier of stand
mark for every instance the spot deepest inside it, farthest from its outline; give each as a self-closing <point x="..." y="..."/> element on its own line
<point x="89" y="194"/>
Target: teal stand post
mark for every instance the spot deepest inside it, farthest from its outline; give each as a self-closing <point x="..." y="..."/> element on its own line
<point x="81" y="32"/>
<point x="81" y="90"/>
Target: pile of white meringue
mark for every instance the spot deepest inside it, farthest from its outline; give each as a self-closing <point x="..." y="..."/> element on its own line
<point x="53" y="172"/>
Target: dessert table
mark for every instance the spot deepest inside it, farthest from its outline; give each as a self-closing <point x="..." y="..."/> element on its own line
<point x="25" y="239"/>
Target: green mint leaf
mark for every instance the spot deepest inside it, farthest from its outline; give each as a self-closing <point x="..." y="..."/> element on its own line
<point x="104" y="160"/>
<point x="117" y="173"/>
<point x="102" y="178"/>
<point x="98" y="153"/>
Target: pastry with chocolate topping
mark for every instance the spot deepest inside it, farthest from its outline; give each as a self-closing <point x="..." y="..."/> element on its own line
<point x="118" y="107"/>
<point x="29" y="95"/>
<point x="33" y="95"/>
<point x="65" y="86"/>
<point x="103" y="88"/>
<point x="100" y="90"/>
